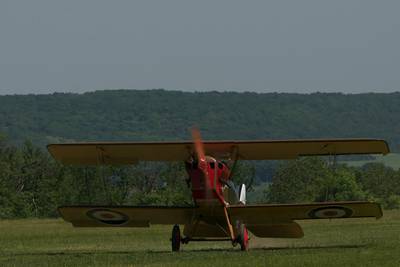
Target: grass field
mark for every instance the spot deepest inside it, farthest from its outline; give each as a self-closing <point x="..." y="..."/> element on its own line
<point x="343" y="242"/>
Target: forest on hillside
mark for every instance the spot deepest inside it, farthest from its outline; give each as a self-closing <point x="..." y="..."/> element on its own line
<point x="167" y="115"/>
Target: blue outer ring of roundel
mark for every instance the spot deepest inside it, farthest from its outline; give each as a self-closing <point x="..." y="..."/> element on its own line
<point x="121" y="220"/>
<point x="346" y="212"/>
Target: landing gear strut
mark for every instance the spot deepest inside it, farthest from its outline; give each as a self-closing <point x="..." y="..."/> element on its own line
<point x="176" y="238"/>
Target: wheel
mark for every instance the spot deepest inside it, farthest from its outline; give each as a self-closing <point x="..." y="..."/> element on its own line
<point x="176" y="238"/>
<point x="244" y="238"/>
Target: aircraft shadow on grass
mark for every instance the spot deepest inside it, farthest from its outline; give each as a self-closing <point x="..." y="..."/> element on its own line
<point x="82" y="253"/>
<point x="270" y="248"/>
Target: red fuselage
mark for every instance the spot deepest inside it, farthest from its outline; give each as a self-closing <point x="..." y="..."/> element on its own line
<point x="207" y="180"/>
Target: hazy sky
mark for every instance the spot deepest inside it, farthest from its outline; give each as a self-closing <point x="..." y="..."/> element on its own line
<point x="264" y="46"/>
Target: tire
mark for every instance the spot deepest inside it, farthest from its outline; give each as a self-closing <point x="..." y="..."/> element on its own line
<point x="244" y="238"/>
<point x="176" y="238"/>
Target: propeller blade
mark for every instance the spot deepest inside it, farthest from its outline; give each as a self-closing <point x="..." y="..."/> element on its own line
<point x="202" y="161"/>
<point x="198" y="144"/>
<point x="199" y="149"/>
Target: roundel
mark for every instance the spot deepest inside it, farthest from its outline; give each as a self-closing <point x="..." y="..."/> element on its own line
<point x="106" y="216"/>
<point x="330" y="212"/>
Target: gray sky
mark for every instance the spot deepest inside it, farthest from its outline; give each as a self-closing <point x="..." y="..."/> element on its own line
<point x="263" y="46"/>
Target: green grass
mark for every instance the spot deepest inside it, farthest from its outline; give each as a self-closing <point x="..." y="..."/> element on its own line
<point x="390" y="160"/>
<point x="345" y="242"/>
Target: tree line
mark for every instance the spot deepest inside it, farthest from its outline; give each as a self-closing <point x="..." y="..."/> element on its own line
<point x="313" y="179"/>
<point x="32" y="184"/>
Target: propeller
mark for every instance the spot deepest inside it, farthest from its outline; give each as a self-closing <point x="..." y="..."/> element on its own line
<point x="201" y="158"/>
<point x="199" y="149"/>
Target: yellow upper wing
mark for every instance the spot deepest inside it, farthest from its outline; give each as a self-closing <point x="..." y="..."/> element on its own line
<point x="130" y="153"/>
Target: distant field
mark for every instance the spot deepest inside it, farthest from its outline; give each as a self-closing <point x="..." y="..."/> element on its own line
<point x="346" y="242"/>
<point x="390" y="160"/>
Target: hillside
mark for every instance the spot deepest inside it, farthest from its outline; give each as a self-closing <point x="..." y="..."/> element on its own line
<point x="167" y="115"/>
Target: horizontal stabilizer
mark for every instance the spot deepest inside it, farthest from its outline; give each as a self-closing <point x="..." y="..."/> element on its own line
<point x="283" y="230"/>
<point x="125" y="216"/>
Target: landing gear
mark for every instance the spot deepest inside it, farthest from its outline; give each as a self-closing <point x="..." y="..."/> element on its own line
<point x="176" y="238"/>
<point x="243" y="238"/>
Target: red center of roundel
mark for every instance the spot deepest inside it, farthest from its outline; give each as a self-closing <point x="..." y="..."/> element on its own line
<point x="107" y="215"/>
<point x="330" y="213"/>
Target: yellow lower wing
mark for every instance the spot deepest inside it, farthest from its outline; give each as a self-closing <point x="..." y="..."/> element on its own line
<point x="100" y="216"/>
<point x="278" y="220"/>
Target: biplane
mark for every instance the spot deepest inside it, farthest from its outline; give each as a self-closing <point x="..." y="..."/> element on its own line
<point x="220" y="212"/>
